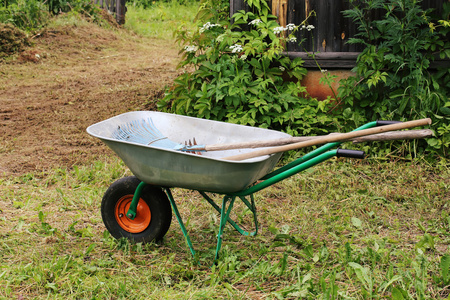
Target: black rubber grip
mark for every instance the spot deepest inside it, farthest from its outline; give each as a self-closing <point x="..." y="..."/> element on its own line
<point x="382" y="123"/>
<point x="350" y="153"/>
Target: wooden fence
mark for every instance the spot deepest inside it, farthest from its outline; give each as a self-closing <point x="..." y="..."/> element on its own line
<point x="116" y="7"/>
<point x="331" y="29"/>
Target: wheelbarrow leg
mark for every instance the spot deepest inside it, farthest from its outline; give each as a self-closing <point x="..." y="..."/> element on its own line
<point x="251" y="205"/>
<point x="224" y="215"/>
<point x="180" y="221"/>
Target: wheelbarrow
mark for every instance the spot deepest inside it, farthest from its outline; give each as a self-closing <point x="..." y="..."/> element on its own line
<point x="140" y="207"/>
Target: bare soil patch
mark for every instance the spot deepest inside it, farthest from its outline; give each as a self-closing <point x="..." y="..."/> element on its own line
<point x="69" y="79"/>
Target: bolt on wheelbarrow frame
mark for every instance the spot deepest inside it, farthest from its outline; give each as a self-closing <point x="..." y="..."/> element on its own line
<point x="311" y="159"/>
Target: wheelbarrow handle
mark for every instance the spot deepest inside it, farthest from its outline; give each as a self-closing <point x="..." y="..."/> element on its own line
<point x="350" y="153"/>
<point x="403" y="135"/>
<point x="383" y="122"/>
<point x="331" y="139"/>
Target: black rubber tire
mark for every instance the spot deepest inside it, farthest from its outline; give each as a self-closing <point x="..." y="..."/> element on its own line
<point x="156" y="199"/>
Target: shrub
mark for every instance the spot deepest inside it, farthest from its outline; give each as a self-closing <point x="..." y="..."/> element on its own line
<point x="241" y="76"/>
<point x="31" y="15"/>
<point x="235" y="72"/>
<point x="28" y="15"/>
<point x="393" y="76"/>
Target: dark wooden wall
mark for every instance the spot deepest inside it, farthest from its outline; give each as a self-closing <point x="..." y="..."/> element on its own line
<point x="332" y="30"/>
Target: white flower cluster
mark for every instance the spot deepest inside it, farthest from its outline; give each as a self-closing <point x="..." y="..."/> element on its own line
<point x="191" y="49"/>
<point x="278" y="30"/>
<point x="309" y="27"/>
<point x="290" y="26"/>
<point x="236" y="48"/>
<point x="292" y="39"/>
<point x="324" y="71"/>
<point x="255" y="22"/>
<point x="207" y="26"/>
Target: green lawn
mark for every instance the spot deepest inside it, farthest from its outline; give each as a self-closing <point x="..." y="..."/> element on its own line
<point x="341" y="230"/>
<point x="345" y="229"/>
<point x="161" y="19"/>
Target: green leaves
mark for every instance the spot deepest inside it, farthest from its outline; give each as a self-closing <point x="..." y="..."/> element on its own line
<point x="356" y="222"/>
<point x="427" y="242"/>
<point x="31" y="15"/>
<point x="363" y="276"/>
<point x="445" y="269"/>
<point x="393" y="76"/>
<point x="240" y="75"/>
<point x="376" y="77"/>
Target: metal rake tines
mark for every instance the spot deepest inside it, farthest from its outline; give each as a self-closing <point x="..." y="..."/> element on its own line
<point x="188" y="145"/>
<point x="145" y="132"/>
<point x="138" y="131"/>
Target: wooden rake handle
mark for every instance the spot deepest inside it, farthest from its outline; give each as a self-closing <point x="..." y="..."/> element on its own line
<point x="384" y="136"/>
<point x="330" y="139"/>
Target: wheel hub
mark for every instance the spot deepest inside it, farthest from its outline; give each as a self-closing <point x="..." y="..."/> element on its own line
<point x="140" y="222"/>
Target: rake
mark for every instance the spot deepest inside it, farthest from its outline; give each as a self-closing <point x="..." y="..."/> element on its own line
<point x="144" y="131"/>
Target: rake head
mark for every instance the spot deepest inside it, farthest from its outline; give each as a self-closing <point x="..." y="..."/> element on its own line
<point x="145" y="132"/>
<point x="190" y="147"/>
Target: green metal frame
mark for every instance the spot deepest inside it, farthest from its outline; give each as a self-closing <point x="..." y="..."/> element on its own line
<point x="131" y="213"/>
<point x="311" y="159"/>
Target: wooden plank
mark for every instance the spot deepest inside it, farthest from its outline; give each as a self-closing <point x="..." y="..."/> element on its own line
<point x="332" y="30"/>
<point x="279" y="9"/>
<point x="236" y="5"/>
<point x="327" y="60"/>
<point x="329" y="55"/>
<point x="296" y="14"/>
<point x="116" y="7"/>
<point x="346" y="60"/>
<point x="329" y="64"/>
<point x="121" y="11"/>
<point x="436" y="5"/>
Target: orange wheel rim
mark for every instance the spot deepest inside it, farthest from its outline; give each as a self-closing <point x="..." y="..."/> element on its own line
<point x="140" y="222"/>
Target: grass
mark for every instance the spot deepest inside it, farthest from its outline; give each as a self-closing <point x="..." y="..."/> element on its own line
<point x="341" y="230"/>
<point x="344" y="229"/>
<point x="161" y="19"/>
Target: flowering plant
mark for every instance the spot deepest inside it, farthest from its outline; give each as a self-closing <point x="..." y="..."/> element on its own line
<point x="238" y="73"/>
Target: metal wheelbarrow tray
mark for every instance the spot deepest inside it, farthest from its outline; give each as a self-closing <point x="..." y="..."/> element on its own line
<point x="171" y="168"/>
<point x="140" y="208"/>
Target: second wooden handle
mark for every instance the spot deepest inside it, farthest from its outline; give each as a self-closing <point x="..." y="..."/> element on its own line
<point x="330" y="139"/>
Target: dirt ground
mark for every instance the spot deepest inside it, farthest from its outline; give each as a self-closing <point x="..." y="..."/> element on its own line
<point x="70" y="78"/>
